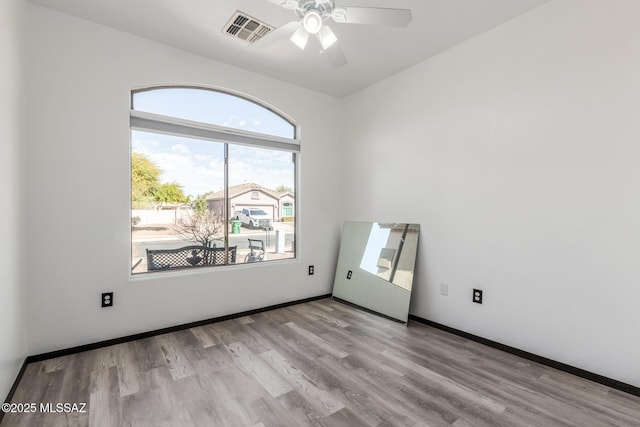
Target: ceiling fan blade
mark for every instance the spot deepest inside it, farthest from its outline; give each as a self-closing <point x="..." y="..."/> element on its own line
<point x="287" y="4"/>
<point x="283" y="32"/>
<point x="335" y="56"/>
<point x="372" y="16"/>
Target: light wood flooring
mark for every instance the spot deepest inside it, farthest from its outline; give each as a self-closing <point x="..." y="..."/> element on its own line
<point x="321" y="363"/>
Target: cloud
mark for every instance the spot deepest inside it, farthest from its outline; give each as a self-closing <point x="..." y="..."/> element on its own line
<point x="180" y="148"/>
<point x="268" y="168"/>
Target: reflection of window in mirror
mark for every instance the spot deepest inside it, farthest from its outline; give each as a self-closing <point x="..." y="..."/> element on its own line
<point x="378" y="238"/>
<point x="383" y="255"/>
<point x="386" y="258"/>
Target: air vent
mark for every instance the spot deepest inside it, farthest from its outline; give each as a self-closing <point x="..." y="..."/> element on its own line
<point x="246" y="28"/>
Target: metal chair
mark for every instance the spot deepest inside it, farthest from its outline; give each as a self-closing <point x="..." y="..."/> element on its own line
<point x="256" y="253"/>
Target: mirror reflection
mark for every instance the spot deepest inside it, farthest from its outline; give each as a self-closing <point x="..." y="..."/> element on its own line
<point x="390" y="252"/>
<point x="376" y="266"/>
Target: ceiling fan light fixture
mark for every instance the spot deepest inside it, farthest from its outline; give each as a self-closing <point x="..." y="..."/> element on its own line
<point x="327" y="37"/>
<point x="300" y="38"/>
<point x="312" y="15"/>
<point x="312" y="21"/>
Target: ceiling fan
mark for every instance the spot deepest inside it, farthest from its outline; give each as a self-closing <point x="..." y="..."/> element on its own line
<point x="313" y="18"/>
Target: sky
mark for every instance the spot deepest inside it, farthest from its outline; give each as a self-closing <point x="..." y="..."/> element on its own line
<point x="198" y="165"/>
<point x="217" y="108"/>
<point x="378" y="238"/>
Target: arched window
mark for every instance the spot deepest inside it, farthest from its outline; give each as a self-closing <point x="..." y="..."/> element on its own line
<point x="211" y="174"/>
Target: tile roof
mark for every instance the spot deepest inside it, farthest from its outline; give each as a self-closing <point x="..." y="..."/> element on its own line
<point x="236" y="190"/>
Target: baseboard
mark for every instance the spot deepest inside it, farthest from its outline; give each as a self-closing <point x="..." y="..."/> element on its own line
<point x="609" y="382"/>
<point x="142" y="335"/>
<point x="14" y="386"/>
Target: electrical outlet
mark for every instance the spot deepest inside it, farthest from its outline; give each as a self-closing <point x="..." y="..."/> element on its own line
<point x="477" y="296"/>
<point x="311" y="270"/>
<point x="349" y="273"/>
<point x="107" y="299"/>
<point x="444" y="289"/>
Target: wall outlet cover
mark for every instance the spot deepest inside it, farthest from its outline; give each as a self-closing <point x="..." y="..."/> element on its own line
<point x="107" y="299"/>
<point x="444" y="289"/>
<point x="477" y="296"/>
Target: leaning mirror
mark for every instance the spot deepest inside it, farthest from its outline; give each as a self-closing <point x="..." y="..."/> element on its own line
<point x="376" y="266"/>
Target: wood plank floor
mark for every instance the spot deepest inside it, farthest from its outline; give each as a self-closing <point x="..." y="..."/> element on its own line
<point x="321" y="363"/>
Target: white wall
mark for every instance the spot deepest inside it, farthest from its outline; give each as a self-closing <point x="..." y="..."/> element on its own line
<point x="159" y="216"/>
<point x="518" y="153"/>
<point x="78" y="217"/>
<point x="12" y="309"/>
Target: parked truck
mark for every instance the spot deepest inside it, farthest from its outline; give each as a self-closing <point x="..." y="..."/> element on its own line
<point x="254" y="218"/>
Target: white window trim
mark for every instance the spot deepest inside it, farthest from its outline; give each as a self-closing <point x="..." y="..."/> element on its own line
<point x="143" y="121"/>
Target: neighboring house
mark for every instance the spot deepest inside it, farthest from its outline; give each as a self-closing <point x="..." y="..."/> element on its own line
<point x="254" y="196"/>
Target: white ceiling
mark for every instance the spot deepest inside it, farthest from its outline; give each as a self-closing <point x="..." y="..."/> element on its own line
<point x="373" y="53"/>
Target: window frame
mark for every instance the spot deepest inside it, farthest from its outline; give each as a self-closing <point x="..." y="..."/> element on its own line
<point x="168" y="125"/>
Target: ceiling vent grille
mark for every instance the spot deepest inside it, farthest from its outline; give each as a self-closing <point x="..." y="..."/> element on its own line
<point x="246" y="28"/>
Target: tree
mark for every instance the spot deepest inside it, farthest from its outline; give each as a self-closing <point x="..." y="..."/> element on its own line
<point x="171" y="193"/>
<point x="200" y="202"/>
<point x="202" y="226"/>
<point x="146" y="185"/>
<point x="145" y="177"/>
<point x="283" y="189"/>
